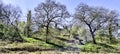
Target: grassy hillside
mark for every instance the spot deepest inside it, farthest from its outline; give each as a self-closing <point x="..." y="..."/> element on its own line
<point x="34" y="45"/>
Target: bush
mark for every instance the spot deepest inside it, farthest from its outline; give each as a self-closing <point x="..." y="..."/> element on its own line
<point x="12" y="34"/>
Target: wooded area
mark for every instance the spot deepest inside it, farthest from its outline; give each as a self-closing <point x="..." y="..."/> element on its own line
<point x="50" y="27"/>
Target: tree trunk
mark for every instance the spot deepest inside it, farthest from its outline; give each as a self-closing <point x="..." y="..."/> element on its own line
<point x="110" y="31"/>
<point x="93" y="36"/>
<point x="110" y="34"/>
<point x="47" y="31"/>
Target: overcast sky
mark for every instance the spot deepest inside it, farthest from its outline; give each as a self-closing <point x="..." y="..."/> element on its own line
<point x="26" y="5"/>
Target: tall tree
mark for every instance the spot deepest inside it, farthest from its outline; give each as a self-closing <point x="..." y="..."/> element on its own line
<point x="49" y="12"/>
<point x="93" y="17"/>
<point x="28" y="25"/>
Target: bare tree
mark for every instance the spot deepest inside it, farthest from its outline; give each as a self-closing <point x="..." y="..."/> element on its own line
<point x="11" y="15"/>
<point x="93" y="17"/>
<point x="112" y="23"/>
<point x="49" y="12"/>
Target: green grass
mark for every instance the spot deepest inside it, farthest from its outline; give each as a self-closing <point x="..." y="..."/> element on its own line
<point x="33" y="45"/>
<point x="99" y="47"/>
<point x="38" y="42"/>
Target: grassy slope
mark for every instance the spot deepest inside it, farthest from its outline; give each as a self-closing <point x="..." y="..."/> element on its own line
<point x="101" y="47"/>
<point x="35" y="45"/>
<point x="32" y="44"/>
